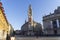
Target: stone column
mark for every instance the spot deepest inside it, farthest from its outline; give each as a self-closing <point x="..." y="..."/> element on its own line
<point x="52" y="32"/>
<point x="57" y="23"/>
<point x="51" y="24"/>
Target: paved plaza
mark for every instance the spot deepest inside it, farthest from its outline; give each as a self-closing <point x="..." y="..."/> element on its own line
<point x="37" y="38"/>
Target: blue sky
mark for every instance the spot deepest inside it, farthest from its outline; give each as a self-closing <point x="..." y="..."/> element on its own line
<point x="16" y="10"/>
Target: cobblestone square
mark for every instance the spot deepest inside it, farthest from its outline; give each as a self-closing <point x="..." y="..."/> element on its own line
<point x="39" y="38"/>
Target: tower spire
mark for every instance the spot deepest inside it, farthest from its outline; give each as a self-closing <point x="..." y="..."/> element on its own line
<point x="30" y="10"/>
<point x="30" y="15"/>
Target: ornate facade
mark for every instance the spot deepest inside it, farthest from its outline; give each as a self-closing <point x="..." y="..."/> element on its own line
<point x="51" y="22"/>
<point x="4" y="25"/>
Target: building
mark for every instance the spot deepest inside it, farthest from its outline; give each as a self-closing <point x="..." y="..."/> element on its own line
<point x="51" y="22"/>
<point x="4" y="25"/>
<point x="18" y="32"/>
<point x="31" y="27"/>
<point x="11" y="30"/>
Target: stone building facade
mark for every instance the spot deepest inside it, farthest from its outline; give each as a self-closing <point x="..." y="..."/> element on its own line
<point x="4" y="24"/>
<point x="51" y="22"/>
<point x="35" y="29"/>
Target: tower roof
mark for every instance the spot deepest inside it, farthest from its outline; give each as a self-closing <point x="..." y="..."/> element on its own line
<point x="30" y="6"/>
<point x="30" y="9"/>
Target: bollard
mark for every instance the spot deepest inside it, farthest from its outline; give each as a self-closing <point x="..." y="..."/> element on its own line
<point x="12" y="38"/>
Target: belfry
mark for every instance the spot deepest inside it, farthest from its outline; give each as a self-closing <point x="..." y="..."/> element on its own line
<point x="30" y="20"/>
<point x="31" y="27"/>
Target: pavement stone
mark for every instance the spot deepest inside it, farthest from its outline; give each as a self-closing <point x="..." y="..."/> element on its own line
<point x="39" y="38"/>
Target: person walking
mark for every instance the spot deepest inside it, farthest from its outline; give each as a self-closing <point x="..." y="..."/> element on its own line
<point x="8" y="37"/>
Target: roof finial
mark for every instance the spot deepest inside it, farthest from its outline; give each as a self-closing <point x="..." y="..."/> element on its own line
<point x="30" y="5"/>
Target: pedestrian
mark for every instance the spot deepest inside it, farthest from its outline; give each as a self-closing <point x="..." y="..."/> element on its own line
<point x="8" y="37"/>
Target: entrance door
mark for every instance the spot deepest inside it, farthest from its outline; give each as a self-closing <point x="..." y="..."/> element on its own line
<point x="55" y="26"/>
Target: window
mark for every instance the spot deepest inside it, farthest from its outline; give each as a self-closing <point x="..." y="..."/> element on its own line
<point x="54" y="24"/>
<point x="59" y="23"/>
